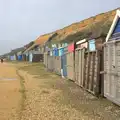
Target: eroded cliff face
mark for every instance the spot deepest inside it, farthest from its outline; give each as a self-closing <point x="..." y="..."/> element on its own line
<point x="75" y="27"/>
<point x="81" y="25"/>
<point x="43" y="38"/>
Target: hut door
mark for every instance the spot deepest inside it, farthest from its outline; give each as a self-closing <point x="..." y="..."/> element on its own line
<point x="63" y="65"/>
<point x="79" y="66"/>
<point x="112" y="72"/>
<point x="70" y="65"/>
<point x="30" y="57"/>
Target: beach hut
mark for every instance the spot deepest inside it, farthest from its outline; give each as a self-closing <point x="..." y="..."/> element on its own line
<point x="19" y="55"/>
<point x="70" y="61"/>
<point x="81" y="47"/>
<point x="16" y="53"/>
<point x="27" y="53"/>
<point x="52" y="55"/>
<point x="89" y="55"/>
<point x="112" y="61"/>
<point x="64" y="62"/>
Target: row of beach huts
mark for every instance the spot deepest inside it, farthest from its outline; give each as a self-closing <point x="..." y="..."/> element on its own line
<point x="88" y="53"/>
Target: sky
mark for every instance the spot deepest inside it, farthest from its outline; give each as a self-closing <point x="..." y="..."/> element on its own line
<point x="22" y="21"/>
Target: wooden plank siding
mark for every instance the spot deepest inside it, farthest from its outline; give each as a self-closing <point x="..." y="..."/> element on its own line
<point x="112" y="71"/>
<point x="50" y="63"/>
<point x="79" y="67"/>
<point x="70" y="65"/>
<point x="37" y="58"/>
<point x="70" y="57"/>
<point x="92" y="72"/>
<point x="57" y="66"/>
<point x="45" y="59"/>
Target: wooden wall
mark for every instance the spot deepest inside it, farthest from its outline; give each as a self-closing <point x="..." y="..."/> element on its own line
<point x="92" y="72"/>
<point x="70" y="65"/>
<point x="112" y="71"/>
<point x="57" y="66"/>
<point x="79" y="66"/>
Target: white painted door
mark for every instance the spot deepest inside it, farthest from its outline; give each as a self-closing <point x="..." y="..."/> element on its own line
<point x="30" y="57"/>
<point x="112" y="71"/>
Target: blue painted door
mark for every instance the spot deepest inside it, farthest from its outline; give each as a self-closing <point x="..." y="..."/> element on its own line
<point x="63" y="64"/>
<point x="61" y="51"/>
<point x="11" y="57"/>
<point x="20" y="57"/>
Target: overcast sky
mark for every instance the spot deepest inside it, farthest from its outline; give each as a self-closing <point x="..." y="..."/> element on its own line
<point x="21" y="21"/>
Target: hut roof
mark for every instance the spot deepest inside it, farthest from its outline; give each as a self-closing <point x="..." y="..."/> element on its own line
<point x="42" y="39"/>
<point x="50" y="38"/>
<point x="114" y="23"/>
<point x="39" y="41"/>
<point x="4" y="55"/>
<point x="17" y="50"/>
<point x="29" y="48"/>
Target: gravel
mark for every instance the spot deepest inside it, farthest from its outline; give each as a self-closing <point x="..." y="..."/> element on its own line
<point x="53" y="98"/>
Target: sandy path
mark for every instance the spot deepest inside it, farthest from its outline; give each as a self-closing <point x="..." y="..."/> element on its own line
<point x="9" y="91"/>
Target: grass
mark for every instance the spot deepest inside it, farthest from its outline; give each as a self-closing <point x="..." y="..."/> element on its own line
<point x="38" y="70"/>
<point x="13" y="62"/>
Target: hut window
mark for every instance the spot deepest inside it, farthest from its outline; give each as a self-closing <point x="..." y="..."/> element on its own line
<point x="92" y="45"/>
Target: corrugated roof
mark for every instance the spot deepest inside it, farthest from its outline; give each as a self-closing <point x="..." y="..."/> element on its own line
<point x="39" y="41"/>
<point x="16" y="50"/>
